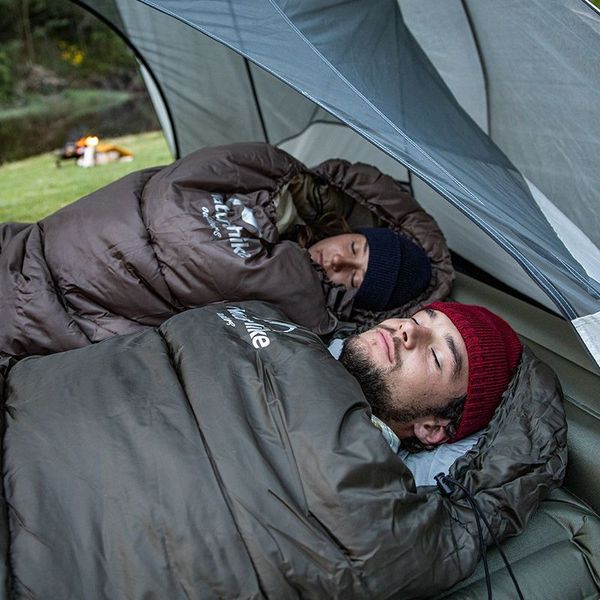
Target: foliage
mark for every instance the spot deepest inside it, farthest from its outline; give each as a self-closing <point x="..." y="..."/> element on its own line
<point x="46" y="122"/>
<point x="72" y="102"/>
<point x="9" y="20"/>
<point x="65" y="39"/>
<point x="33" y="188"/>
<point x="53" y="53"/>
<point x="70" y="53"/>
<point x="6" y="77"/>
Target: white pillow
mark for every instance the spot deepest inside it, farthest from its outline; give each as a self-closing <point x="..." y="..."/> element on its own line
<point x="427" y="464"/>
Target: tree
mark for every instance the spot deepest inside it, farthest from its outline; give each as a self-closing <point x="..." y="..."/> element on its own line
<point x="26" y="31"/>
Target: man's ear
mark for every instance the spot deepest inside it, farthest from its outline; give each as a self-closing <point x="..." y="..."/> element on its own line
<point x="430" y="432"/>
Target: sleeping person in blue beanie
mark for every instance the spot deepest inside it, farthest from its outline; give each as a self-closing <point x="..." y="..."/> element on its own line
<point x="386" y="268"/>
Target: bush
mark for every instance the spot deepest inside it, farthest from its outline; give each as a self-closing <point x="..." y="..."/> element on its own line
<point x="6" y="78"/>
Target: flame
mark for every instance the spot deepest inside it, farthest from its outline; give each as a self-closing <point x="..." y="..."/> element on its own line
<point x="88" y="140"/>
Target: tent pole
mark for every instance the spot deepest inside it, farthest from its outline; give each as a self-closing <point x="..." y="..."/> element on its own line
<point x="256" y="101"/>
<point x="141" y="58"/>
<point x="482" y="64"/>
<point x="592" y="6"/>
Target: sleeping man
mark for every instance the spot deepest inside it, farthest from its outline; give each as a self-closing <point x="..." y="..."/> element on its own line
<point x="435" y="377"/>
<point x="226" y="454"/>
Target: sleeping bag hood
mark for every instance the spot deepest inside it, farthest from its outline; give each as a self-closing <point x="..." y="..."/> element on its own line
<point x="204" y="229"/>
<point x="227" y="454"/>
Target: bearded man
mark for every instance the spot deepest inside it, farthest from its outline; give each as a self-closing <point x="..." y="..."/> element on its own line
<point x="437" y="376"/>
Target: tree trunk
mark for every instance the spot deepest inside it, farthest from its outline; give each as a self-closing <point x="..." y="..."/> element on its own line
<point x="27" y="36"/>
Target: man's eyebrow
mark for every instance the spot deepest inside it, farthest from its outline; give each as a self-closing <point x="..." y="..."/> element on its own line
<point x="457" y="357"/>
<point x="431" y="313"/>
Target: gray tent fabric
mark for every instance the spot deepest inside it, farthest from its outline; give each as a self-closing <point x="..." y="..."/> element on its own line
<point x="360" y="63"/>
<point x="523" y="88"/>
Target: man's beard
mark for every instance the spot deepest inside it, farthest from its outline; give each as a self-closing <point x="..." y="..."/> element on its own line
<point x="375" y="387"/>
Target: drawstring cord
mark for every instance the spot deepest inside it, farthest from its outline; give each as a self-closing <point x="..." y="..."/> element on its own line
<point x="446" y="484"/>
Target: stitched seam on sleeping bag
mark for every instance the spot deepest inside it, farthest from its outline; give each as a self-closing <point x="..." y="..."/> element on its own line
<point x="141" y="201"/>
<point x="69" y="310"/>
<point x="8" y="556"/>
<point x="274" y="406"/>
<point x="274" y="409"/>
<point x="211" y="461"/>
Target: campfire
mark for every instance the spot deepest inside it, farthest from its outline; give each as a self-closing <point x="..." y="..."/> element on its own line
<point x="89" y="151"/>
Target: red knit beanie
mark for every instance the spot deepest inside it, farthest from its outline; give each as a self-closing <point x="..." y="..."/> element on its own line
<point x="493" y="350"/>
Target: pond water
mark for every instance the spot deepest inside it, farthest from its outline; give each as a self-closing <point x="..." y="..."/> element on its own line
<point x="34" y="135"/>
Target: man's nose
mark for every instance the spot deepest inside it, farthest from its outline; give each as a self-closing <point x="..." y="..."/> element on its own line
<point x="339" y="262"/>
<point x="335" y="263"/>
<point x="411" y="334"/>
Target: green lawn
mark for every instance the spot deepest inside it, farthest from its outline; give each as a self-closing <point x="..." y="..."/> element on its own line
<point x="68" y="102"/>
<point x="32" y="188"/>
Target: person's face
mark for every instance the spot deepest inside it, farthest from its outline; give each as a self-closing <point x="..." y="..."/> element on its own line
<point x="344" y="257"/>
<point x="408" y="368"/>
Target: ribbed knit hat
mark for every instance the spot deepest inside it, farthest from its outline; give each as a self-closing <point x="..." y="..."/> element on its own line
<point x="398" y="270"/>
<point x="493" y="350"/>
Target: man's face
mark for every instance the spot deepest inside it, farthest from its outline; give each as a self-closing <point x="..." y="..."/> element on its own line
<point x="344" y="257"/>
<point x="409" y="367"/>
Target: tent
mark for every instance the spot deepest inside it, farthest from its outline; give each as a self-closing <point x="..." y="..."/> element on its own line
<point x="485" y="109"/>
<point x="467" y="100"/>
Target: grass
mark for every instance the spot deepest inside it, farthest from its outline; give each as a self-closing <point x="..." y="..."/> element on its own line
<point x="33" y="188"/>
<point x="72" y="102"/>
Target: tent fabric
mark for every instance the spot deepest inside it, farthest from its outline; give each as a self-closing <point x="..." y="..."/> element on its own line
<point x="532" y="96"/>
<point x="530" y="81"/>
<point x="201" y="460"/>
<point x="360" y="63"/>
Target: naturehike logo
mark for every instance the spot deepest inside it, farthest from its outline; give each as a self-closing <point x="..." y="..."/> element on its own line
<point x="256" y="327"/>
<point x="221" y="223"/>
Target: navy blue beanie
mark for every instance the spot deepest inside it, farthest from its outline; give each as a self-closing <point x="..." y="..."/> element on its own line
<point x="398" y="270"/>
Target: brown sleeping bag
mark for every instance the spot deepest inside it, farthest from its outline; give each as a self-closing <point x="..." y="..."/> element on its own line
<point x="161" y="241"/>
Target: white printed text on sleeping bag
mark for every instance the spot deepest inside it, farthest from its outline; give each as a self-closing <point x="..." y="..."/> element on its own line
<point x="223" y="228"/>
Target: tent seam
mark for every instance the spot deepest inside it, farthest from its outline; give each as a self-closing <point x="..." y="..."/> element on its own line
<point x="481" y="64"/>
